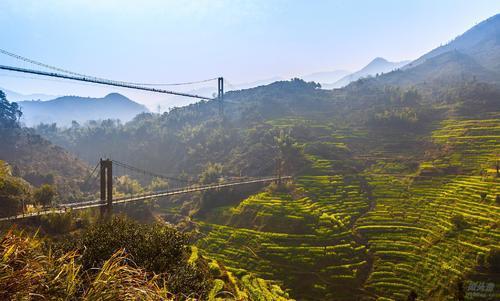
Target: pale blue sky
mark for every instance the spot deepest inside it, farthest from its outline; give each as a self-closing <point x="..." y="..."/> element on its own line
<point x="171" y="41"/>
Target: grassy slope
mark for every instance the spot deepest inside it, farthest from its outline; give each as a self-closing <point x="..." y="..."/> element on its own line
<point x="381" y="231"/>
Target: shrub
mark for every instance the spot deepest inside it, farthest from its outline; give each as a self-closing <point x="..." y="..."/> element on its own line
<point x="483" y="196"/>
<point x="57" y="223"/>
<point x="493" y="260"/>
<point x="412" y="296"/>
<point x="155" y="248"/>
<point x="459" y="222"/>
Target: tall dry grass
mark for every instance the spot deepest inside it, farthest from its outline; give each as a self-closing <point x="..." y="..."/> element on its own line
<point x="28" y="272"/>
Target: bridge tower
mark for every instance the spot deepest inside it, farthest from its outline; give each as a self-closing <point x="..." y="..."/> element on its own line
<point x="107" y="181"/>
<point x="220" y="82"/>
<point x="279" y="169"/>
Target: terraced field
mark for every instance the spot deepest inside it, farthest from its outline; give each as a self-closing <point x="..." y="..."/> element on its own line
<point x="430" y="230"/>
<point x="303" y="239"/>
<point x="403" y="220"/>
<point x="306" y="241"/>
<point x="474" y="144"/>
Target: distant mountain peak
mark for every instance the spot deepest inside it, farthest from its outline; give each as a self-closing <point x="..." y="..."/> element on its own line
<point x="382" y="63"/>
<point x="116" y="96"/>
<point x="378" y="60"/>
<point x="376" y="66"/>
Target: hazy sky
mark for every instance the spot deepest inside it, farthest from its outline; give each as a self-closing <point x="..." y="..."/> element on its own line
<point x="172" y="41"/>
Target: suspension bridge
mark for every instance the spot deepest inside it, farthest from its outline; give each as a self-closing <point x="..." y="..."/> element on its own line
<point x="61" y="73"/>
<point x="106" y="199"/>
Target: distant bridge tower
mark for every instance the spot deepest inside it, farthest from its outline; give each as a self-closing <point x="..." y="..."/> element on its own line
<point x="220" y="82"/>
<point x="107" y="182"/>
<point x="279" y="169"/>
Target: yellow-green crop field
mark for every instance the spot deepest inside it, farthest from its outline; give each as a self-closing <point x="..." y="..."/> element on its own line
<point x="419" y="213"/>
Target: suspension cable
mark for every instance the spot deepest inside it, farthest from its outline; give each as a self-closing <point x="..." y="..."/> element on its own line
<point x="99" y="81"/>
<point x="28" y="60"/>
<point x="146" y="172"/>
<point x="92" y="173"/>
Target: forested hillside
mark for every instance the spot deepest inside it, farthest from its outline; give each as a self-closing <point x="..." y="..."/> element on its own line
<point x="36" y="159"/>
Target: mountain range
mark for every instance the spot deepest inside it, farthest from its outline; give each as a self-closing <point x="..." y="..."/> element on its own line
<point x="64" y="110"/>
<point x="473" y="55"/>
<point x="15" y="96"/>
<point x="376" y="66"/>
<point x="327" y="79"/>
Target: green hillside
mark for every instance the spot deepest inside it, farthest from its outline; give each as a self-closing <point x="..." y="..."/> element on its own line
<point x="389" y="229"/>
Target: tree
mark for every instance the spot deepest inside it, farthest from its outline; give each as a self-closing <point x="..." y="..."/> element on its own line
<point x="127" y="185"/>
<point x="410" y="97"/>
<point x="13" y="191"/>
<point x="288" y="151"/>
<point x="158" y="184"/>
<point x="211" y="174"/>
<point x="9" y="112"/>
<point x="45" y="195"/>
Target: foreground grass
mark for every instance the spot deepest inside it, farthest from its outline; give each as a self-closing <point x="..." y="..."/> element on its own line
<point x="28" y="272"/>
<point x="137" y="262"/>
